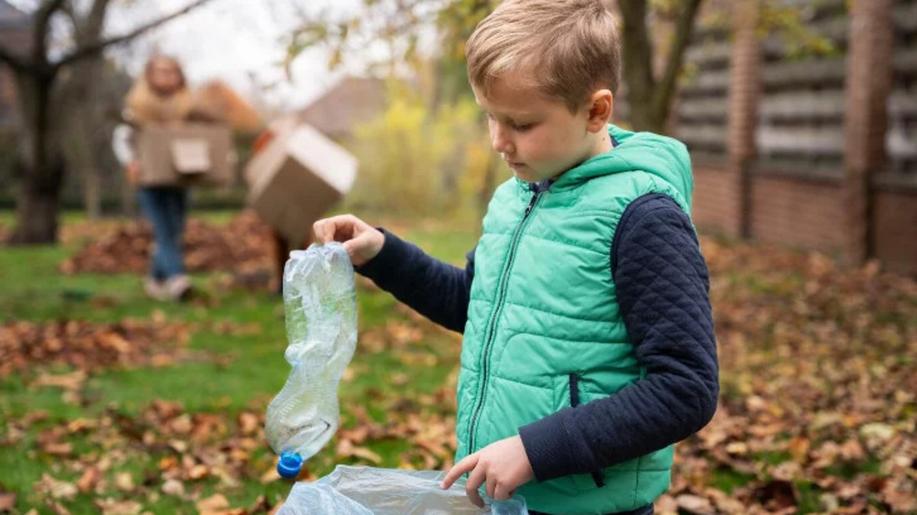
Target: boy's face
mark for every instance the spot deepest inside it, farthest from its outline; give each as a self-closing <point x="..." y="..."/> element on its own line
<point x="537" y="136"/>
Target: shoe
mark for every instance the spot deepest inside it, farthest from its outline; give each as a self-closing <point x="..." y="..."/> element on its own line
<point x="177" y="287"/>
<point x="155" y="289"/>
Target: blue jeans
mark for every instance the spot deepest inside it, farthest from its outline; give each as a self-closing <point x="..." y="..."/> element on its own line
<point x="165" y="208"/>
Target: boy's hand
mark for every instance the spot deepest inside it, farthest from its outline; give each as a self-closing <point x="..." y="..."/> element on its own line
<point x="503" y="465"/>
<point x="361" y="240"/>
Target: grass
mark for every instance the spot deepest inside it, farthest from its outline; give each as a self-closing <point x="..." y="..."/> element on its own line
<point x="231" y="373"/>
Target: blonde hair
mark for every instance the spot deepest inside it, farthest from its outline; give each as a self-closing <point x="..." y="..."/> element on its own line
<point x="146" y="105"/>
<point x="569" y="48"/>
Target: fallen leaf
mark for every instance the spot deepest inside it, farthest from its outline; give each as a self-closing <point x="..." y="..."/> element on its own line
<point x="695" y="504"/>
<point x="7" y="501"/>
<point x="174" y="488"/>
<point x="119" y="507"/>
<point x="124" y="481"/>
<point x="346" y="449"/>
<point x="248" y="423"/>
<point x="56" y="488"/>
<point x="212" y="505"/>
<point x="71" y="381"/>
<point x="89" y="479"/>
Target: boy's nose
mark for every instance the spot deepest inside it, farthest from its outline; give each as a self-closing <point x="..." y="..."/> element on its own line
<point x="500" y="141"/>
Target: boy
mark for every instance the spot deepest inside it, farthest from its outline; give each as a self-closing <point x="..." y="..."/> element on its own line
<point x="588" y="345"/>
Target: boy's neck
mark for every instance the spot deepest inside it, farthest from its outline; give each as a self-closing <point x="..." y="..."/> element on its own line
<point x="603" y="144"/>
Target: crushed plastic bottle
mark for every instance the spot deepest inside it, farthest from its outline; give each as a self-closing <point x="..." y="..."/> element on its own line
<point x="321" y="319"/>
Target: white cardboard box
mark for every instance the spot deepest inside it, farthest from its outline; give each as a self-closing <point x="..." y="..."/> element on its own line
<point x="296" y="178"/>
<point x="189" y="154"/>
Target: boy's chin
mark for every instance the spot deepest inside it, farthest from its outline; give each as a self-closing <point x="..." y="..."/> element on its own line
<point x="525" y="173"/>
<point x="529" y="175"/>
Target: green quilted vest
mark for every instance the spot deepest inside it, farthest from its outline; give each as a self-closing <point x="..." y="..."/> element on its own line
<point x="544" y="317"/>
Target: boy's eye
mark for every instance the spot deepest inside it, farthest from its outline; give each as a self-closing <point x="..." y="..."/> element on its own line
<point x="522" y="127"/>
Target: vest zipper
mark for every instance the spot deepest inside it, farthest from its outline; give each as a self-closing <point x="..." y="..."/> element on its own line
<point x="492" y="324"/>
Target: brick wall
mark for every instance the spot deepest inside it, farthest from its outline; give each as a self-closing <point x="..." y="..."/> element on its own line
<point x="895" y="236"/>
<point x="811" y="160"/>
<point x="798" y="213"/>
<point x="716" y="199"/>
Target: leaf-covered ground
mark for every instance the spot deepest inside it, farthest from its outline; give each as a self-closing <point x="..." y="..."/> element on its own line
<point x="112" y="403"/>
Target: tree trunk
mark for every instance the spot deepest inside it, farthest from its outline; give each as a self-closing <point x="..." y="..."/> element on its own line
<point x="82" y="152"/>
<point x="37" y="206"/>
<point x="650" y="94"/>
<point x="42" y="169"/>
<point x="637" y="53"/>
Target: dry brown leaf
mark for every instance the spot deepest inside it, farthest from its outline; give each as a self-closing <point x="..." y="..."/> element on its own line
<point x="695" y="504"/>
<point x="71" y="381"/>
<point x="7" y="501"/>
<point x="124" y="481"/>
<point x="174" y="488"/>
<point x="215" y="504"/>
<point x="249" y="423"/>
<point x="119" y="507"/>
<point x="346" y="449"/>
<point x="55" y="488"/>
<point x="89" y="479"/>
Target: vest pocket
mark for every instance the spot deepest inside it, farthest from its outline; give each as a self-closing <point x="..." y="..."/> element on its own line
<point x="573" y="386"/>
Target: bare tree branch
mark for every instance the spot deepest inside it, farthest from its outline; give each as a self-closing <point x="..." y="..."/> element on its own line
<point x="12" y="60"/>
<point x="683" y="29"/>
<point x="96" y="17"/>
<point x="40" y="29"/>
<point x="93" y="48"/>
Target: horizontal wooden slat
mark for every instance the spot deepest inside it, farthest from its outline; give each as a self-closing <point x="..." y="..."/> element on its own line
<point x="807" y="72"/>
<point x="709" y="81"/>
<point x="711" y="108"/>
<point x="901" y="143"/>
<point x="902" y="104"/>
<point x="905" y="61"/>
<point x="709" y="54"/>
<point x="706" y="135"/>
<point x="821" y="141"/>
<point x="803" y="105"/>
<point x="905" y="17"/>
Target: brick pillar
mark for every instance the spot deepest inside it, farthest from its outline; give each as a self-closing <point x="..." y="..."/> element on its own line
<point x="869" y="74"/>
<point x="744" y="92"/>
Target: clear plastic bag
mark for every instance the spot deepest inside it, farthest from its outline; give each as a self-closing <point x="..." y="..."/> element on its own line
<point x="321" y="319"/>
<point x="375" y="491"/>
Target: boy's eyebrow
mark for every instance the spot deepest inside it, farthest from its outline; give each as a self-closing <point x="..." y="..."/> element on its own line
<point x="521" y="114"/>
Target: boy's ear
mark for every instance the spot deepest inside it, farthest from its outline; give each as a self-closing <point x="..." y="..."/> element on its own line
<point x="601" y="107"/>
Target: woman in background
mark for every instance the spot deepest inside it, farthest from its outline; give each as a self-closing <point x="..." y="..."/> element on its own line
<point x="161" y="96"/>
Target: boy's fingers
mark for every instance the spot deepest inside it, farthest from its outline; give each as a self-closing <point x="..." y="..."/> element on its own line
<point x="464" y="465"/>
<point x="491" y="486"/>
<point x="475" y="479"/>
<point x="351" y="250"/>
<point x="319" y="229"/>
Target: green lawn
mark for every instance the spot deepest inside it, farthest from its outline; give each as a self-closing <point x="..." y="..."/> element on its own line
<point x="816" y="412"/>
<point x="229" y="371"/>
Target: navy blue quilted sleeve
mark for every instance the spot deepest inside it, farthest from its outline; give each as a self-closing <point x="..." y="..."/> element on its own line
<point x="436" y="290"/>
<point x="662" y="287"/>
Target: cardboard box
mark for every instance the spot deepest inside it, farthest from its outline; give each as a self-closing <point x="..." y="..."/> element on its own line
<point x="189" y="154"/>
<point x="296" y="178"/>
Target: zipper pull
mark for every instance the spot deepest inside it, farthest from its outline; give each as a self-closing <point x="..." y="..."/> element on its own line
<point x="528" y="208"/>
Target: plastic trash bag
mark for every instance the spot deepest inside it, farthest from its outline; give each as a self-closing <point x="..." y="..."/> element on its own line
<point x="376" y="491"/>
<point x="321" y="320"/>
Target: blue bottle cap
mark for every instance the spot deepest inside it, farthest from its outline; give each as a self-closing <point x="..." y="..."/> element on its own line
<point x="289" y="465"/>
